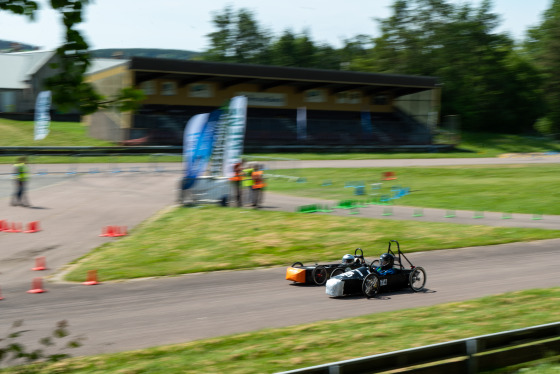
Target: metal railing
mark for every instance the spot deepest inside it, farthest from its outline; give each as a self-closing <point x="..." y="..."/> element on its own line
<point x="471" y="355"/>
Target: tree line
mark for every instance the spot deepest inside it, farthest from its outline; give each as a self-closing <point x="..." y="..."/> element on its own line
<point x="494" y="83"/>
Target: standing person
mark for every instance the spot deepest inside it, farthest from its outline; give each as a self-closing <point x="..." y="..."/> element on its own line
<point x="21" y="176"/>
<point x="258" y="185"/>
<point x="248" y="181"/>
<point x="236" y="180"/>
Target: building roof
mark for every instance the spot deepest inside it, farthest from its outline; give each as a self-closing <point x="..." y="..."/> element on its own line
<point x="98" y="65"/>
<point x="17" y="68"/>
<point x="228" y="74"/>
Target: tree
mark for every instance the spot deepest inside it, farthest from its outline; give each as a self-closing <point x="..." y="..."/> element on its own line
<point x="354" y="53"/>
<point x="293" y="50"/>
<point x="543" y="46"/>
<point x="69" y="89"/>
<point x="480" y="73"/>
<point x="239" y="38"/>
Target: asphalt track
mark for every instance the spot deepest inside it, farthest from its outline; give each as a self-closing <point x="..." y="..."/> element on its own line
<point x="116" y="316"/>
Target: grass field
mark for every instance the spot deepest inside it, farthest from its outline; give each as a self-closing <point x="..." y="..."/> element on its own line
<point x="530" y="189"/>
<point x="273" y="350"/>
<point x="20" y="134"/>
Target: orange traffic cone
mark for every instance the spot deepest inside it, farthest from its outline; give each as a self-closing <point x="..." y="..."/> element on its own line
<point x="16" y="227"/>
<point x="37" y="286"/>
<point x="32" y="227"/>
<point x="389" y="176"/>
<point x="105" y="231"/>
<point x="91" y="278"/>
<point x="40" y="264"/>
<point x="119" y="230"/>
<point x="108" y="231"/>
<point x="3" y="225"/>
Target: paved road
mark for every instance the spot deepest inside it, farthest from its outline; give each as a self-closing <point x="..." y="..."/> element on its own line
<point x="72" y="210"/>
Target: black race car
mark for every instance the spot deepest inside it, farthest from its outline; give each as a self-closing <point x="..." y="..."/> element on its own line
<point x="318" y="274"/>
<point x="388" y="273"/>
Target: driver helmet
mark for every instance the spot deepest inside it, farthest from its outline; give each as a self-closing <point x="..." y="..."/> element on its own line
<point x="347" y="260"/>
<point x="386" y="261"/>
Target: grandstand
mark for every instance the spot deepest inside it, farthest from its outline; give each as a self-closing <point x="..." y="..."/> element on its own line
<point x="344" y="110"/>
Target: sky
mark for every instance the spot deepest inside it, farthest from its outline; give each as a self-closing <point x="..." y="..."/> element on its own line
<point x="184" y="24"/>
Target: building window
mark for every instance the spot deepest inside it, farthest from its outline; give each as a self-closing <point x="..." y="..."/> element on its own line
<point x="349" y="97"/>
<point x="380" y="100"/>
<point x="200" y="90"/>
<point x="314" y="96"/>
<point x="168" y="88"/>
<point x="148" y="87"/>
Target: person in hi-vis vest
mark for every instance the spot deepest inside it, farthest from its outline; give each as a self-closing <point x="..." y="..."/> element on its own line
<point x="258" y="185"/>
<point x="247" y="182"/>
<point x="21" y="176"/>
<point x="237" y="180"/>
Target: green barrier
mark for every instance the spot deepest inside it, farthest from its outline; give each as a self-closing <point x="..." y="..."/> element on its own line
<point x="312" y="208"/>
<point x="354" y="210"/>
<point x="387" y="211"/>
<point x="478" y="215"/>
<point x="418" y="213"/>
<point x="345" y="204"/>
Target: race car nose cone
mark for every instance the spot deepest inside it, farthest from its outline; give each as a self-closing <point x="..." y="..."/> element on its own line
<point x="295" y="274"/>
<point x="334" y="287"/>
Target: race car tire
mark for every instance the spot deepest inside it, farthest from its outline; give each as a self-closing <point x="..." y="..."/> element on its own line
<point x="336" y="272"/>
<point x="320" y="275"/>
<point x="297" y="265"/>
<point x="370" y="285"/>
<point x="417" y="279"/>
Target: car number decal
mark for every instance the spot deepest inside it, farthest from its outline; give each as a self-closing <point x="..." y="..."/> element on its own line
<point x="383" y="282"/>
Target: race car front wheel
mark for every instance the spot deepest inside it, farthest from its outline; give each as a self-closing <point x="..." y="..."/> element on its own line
<point x="371" y="284"/>
<point x="417" y="279"/>
<point x="320" y="275"/>
<point x="336" y="272"/>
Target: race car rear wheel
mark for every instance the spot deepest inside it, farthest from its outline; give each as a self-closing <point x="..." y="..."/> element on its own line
<point x="371" y="284"/>
<point x="336" y="272"/>
<point x="417" y="279"/>
<point x="320" y="275"/>
<point x="297" y="265"/>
